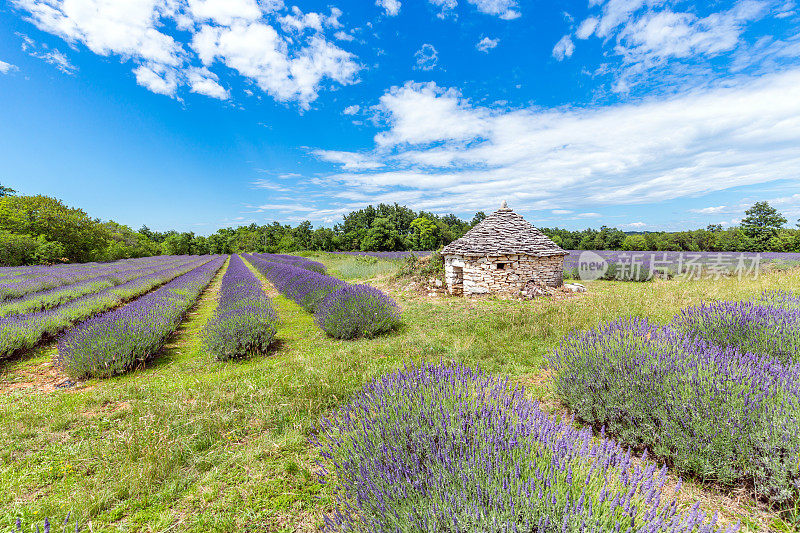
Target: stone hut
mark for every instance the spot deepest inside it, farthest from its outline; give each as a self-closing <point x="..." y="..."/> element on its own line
<point x="505" y="255"/>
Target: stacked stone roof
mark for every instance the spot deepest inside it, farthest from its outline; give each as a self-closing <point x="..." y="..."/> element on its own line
<point x="504" y="233"/>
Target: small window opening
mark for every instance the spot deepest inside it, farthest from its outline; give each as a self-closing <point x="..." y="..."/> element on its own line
<point x="501" y="266"/>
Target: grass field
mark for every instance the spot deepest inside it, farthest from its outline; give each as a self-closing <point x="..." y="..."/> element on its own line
<point x="191" y="444"/>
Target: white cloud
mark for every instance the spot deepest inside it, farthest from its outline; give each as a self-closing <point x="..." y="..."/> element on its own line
<point x="352" y="109"/>
<point x="224" y="11"/>
<point x="505" y="9"/>
<point x="5" y="68"/>
<point x="634" y="225"/>
<point x="711" y="210"/>
<point x="425" y="113"/>
<point x="390" y="7"/>
<point x="258" y="52"/>
<point x="291" y="65"/>
<point x="648" y="34"/>
<point x="486" y="44"/>
<point x="586" y="29"/>
<point x="563" y="48"/>
<point x="447" y="7"/>
<point x="43" y="52"/>
<point x="348" y="160"/>
<point x="157" y="78"/>
<point x="427" y="57"/>
<point x="441" y="147"/>
<point x="203" y="81"/>
<point x="343" y="36"/>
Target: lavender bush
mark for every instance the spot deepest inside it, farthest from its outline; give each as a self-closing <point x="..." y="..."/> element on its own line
<point x="21" y="332"/>
<point x="714" y="412"/>
<point x="244" y="321"/>
<point x="769" y="325"/>
<point x="38" y="301"/>
<point x="293" y="260"/>
<point x="305" y="287"/>
<point x="357" y="311"/>
<point x="115" y="342"/>
<point x="447" y="448"/>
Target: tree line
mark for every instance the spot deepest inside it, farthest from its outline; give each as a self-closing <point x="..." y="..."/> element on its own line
<point x="43" y="230"/>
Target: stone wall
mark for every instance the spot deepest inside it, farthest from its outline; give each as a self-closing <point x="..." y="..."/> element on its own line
<point x="481" y="275"/>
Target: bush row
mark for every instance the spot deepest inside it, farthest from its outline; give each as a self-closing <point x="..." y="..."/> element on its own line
<point x="343" y="311"/>
<point x="294" y="260"/>
<point x="115" y="342"/>
<point x="448" y="448"/>
<point x="19" y="282"/>
<point x="244" y="321"/>
<point x="21" y="332"/>
<point x="716" y="392"/>
<point x="46" y="299"/>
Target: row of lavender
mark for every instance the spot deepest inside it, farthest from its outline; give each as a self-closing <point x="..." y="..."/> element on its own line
<point x="244" y="320"/>
<point x="448" y="448"/>
<point x="642" y="266"/>
<point x="388" y="255"/>
<point x="716" y="391"/>
<point x="342" y="310"/>
<point x="23" y="331"/>
<point x="119" y="340"/>
<point x="40" y="278"/>
<point x="103" y="278"/>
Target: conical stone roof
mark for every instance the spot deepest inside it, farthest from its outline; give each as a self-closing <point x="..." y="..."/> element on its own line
<point x="502" y="233"/>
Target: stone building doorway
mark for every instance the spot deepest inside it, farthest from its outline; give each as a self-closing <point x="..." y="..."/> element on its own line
<point x="458" y="280"/>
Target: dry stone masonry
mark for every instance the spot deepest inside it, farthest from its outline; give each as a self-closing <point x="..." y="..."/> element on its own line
<point x="504" y="255"/>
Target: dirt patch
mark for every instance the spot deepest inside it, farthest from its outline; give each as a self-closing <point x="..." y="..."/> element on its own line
<point x="42" y="378"/>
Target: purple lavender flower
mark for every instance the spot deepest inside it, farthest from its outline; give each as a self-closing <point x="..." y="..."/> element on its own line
<point x="715" y="412"/>
<point x="357" y="311"/>
<point x="448" y="448"/>
<point x="117" y="341"/>
<point x="244" y="321"/>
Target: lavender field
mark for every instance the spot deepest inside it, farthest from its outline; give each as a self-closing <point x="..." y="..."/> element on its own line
<point x="251" y="391"/>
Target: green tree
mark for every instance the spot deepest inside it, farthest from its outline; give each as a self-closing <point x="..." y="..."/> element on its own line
<point x="382" y="236"/>
<point x="83" y="238"/>
<point x="761" y="223"/>
<point x="424" y="234"/>
<point x="633" y="243"/>
<point x="6" y="191"/>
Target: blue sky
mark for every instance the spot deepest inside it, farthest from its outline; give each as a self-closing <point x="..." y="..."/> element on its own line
<point x="197" y="114"/>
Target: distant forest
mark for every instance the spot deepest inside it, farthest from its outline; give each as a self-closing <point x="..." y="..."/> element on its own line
<point x="42" y="230"/>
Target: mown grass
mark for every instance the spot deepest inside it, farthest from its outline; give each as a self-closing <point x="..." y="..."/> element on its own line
<point x="192" y="444"/>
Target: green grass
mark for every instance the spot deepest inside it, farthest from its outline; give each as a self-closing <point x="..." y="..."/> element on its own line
<point x="193" y="444"/>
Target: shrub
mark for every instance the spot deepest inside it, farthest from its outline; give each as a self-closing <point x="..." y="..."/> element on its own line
<point x="769" y="325"/>
<point x="357" y="311"/>
<point x="448" y="448"/>
<point x="305" y="287"/>
<point x="117" y="341"/>
<point x="714" y="412"/>
<point x="244" y="321"/>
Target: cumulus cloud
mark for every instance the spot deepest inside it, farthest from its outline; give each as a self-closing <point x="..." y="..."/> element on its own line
<point x="390" y="7"/>
<point x="438" y="146"/>
<point x="352" y="109"/>
<point x="563" y="48"/>
<point x="290" y="58"/>
<point x="5" y="68"/>
<point x="427" y="57"/>
<point x="486" y="44"/>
